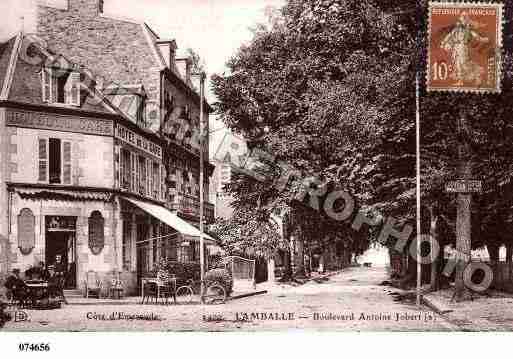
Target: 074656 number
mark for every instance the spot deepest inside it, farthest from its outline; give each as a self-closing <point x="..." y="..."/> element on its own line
<point x="33" y="347"/>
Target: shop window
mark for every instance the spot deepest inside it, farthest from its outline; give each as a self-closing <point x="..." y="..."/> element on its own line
<point x="127" y="244"/>
<point x="54" y="161"/>
<point x="96" y="232"/>
<point x="195" y="249"/>
<point x="156" y="240"/>
<point x="26" y="231"/>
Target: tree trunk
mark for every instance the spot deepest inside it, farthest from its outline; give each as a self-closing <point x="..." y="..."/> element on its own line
<point x="321" y="262"/>
<point x="443" y="281"/>
<point x="463" y="215"/>
<point x="509" y="248"/>
<point x="270" y="270"/>
<point x="493" y="252"/>
<point x="287" y="263"/>
<point x="300" y="260"/>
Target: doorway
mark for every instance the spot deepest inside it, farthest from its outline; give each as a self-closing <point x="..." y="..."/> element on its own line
<point x="60" y="248"/>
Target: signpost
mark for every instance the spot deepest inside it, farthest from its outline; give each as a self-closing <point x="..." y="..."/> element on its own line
<point x="464" y="186"/>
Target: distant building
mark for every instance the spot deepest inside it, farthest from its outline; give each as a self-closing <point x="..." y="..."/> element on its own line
<point x="225" y="162"/>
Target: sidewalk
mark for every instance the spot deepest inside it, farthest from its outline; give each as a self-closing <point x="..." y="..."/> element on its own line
<point x="138" y="300"/>
<point x="280" y="287"/>
<point x="493" y="313"/>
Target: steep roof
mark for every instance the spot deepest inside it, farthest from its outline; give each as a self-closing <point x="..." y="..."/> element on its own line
<point x="5" y="56"/>
<point x="21" y="80"/>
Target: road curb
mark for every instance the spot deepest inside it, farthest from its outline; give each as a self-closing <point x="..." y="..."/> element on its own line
<point x="436" y="305"/>
<point x="250" y="294"/>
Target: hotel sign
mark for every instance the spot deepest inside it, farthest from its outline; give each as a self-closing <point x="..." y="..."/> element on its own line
<point x="138" y="141"/>
<point x="48" y="121"/>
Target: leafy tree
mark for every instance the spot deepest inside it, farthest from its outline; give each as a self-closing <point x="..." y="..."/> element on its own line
<point x="332" y="83"/>
<point x="245" y="235"/>
<point x="490" y="137"/>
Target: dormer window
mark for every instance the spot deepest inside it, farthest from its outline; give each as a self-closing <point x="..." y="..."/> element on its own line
<point x="60" y="87"/>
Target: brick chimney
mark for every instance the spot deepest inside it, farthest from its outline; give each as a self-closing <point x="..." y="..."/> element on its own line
<point x="184" y="67"/>
<point x="86" y="7"/>
<point x="168" y="50"/>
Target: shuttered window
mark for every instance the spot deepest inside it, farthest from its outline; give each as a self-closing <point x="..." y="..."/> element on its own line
<point x="46" y="82"/>
<point x="163" y="189"/>
<point x="156" y="180"/>
<point x="43" y="160"/>
<point x="66" y="162"/>
<point x="125" y="169"/>
<point x="150" y="177"/>
<point x="142" y="175"/>
<point x="134" y="172"/>
<point x="72" y="89"/>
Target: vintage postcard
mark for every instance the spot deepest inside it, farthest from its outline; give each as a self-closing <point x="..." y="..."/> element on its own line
<point x="250" y="166"/>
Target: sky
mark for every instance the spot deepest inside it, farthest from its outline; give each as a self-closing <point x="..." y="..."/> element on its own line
<point x="215" y="29"/>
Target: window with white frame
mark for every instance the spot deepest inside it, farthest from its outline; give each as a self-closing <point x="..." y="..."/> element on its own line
<point x="54" y="161"/>
<point x="142" y="175"/>
<point x="125" y="169"/>
<point x="60" y="86"/>
<point x="156" y="180"/>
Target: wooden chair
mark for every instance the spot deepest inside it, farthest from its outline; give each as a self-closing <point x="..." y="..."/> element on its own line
<point x="116" y="285"/>
<point x="93" y="285"/>
<point x="149" y="290"/>
<point x="20" y="296"/>
<point x="169" y="290"/>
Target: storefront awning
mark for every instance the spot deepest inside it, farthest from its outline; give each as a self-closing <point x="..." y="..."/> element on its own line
<point x="62" y="195"/>
<point x="171" y="219"/>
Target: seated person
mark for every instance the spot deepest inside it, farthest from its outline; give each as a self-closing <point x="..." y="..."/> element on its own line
<point x="36" y="273"/>
<point x="59" y="266"/>
<point x="45" y="274"/>
<point x="29" y="273"/>
<point x="54" y="282"/>
<point x="13" y="280"/>
<point x="16" y="287"/>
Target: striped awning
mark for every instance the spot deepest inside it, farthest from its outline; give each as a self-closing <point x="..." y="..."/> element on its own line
<point x="171" y="219"/>
<point x="63" y="195"/>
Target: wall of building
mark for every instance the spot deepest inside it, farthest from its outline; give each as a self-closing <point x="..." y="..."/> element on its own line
<point x="92" y="156"/>
<point x="3" y="194"/>
<point x="102" y="263"/>
<point x="221" y="198"/>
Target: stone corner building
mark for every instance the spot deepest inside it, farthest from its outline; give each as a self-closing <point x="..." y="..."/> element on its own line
<point x="111" y="187"/>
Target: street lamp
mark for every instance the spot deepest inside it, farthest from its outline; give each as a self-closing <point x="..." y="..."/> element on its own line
<point x="202" y="77"/>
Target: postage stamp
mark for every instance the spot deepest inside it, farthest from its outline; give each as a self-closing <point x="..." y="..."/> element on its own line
<point x="465" y="45"/>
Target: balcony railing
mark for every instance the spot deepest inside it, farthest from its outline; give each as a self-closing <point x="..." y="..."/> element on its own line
<point x="189" y="205"/>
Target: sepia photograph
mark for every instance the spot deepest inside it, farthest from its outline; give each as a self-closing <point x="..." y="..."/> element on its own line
<point x="257" y="166"/>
